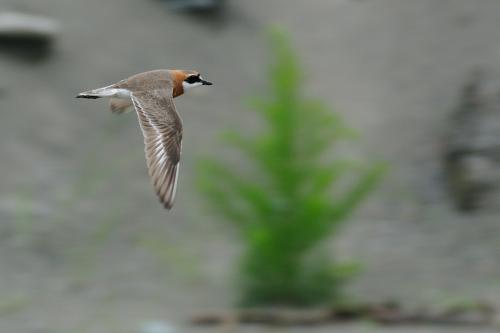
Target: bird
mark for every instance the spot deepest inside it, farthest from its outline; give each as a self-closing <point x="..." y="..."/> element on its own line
<point x="152" y="95"/>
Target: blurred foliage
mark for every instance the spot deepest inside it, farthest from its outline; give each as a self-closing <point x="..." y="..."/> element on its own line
<point x="13" y="304"/>
<point x="287" y="206"/>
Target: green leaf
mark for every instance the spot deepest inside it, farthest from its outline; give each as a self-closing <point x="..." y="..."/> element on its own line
<point x="283" y="204"/>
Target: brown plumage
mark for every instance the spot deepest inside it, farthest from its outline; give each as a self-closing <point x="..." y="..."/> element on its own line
<point x="151" y="94"/>
<point x="118" y="105"/>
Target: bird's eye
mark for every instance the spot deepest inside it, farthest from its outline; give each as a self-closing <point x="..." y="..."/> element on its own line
<point x="192" y="79"/>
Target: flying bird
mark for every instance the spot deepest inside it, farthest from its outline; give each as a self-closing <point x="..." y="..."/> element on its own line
<point x="152" y="96"/>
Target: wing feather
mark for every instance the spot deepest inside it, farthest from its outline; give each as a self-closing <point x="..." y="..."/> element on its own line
<point x="162" y="130"/>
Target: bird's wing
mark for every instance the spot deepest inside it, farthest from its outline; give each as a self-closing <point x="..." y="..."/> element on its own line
<point x="162" y="130"/>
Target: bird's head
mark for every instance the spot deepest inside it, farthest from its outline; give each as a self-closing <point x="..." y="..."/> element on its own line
<point x="185" y="80"/>
<point x="193" y="80"/>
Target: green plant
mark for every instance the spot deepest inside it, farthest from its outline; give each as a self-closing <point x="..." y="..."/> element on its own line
<point x="286" y="207"/>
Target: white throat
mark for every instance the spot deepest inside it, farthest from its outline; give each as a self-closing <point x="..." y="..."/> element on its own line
<point x="188" y="86"/>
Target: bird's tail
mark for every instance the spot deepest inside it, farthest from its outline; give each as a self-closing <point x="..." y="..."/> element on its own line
<point x="98" y="93"/>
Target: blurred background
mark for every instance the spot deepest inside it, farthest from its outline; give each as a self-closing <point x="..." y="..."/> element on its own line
<point x="86" y="247"/>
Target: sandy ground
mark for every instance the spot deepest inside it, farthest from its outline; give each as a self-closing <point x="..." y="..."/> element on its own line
<point x="84" y="246"/>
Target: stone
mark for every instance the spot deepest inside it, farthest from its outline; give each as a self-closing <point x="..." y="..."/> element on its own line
<point x="472" y="144"/>
<point x="194" y="4"/>
<point x="25" y="26"/>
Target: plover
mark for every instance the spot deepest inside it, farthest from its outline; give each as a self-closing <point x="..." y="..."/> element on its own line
<point x="151" y="94"/>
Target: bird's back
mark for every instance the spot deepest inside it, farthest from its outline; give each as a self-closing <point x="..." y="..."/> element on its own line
<point x="159" y="79"/>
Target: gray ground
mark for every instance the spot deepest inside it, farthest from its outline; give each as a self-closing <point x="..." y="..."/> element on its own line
<point x="85" y="247"/>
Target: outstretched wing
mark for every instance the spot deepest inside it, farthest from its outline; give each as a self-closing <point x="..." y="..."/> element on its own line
<point x="162" y="130"/>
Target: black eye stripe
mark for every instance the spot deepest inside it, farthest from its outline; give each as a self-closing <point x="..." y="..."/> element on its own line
<point x="193" y="79"/>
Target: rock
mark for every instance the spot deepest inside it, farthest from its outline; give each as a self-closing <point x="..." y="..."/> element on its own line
<point x="472" y="144"/>
<point x="194" y="5"/>
<point x="25" y="26"/>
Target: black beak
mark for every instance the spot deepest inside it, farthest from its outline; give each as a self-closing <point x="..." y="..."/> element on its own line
<point x="206" y="83"/>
